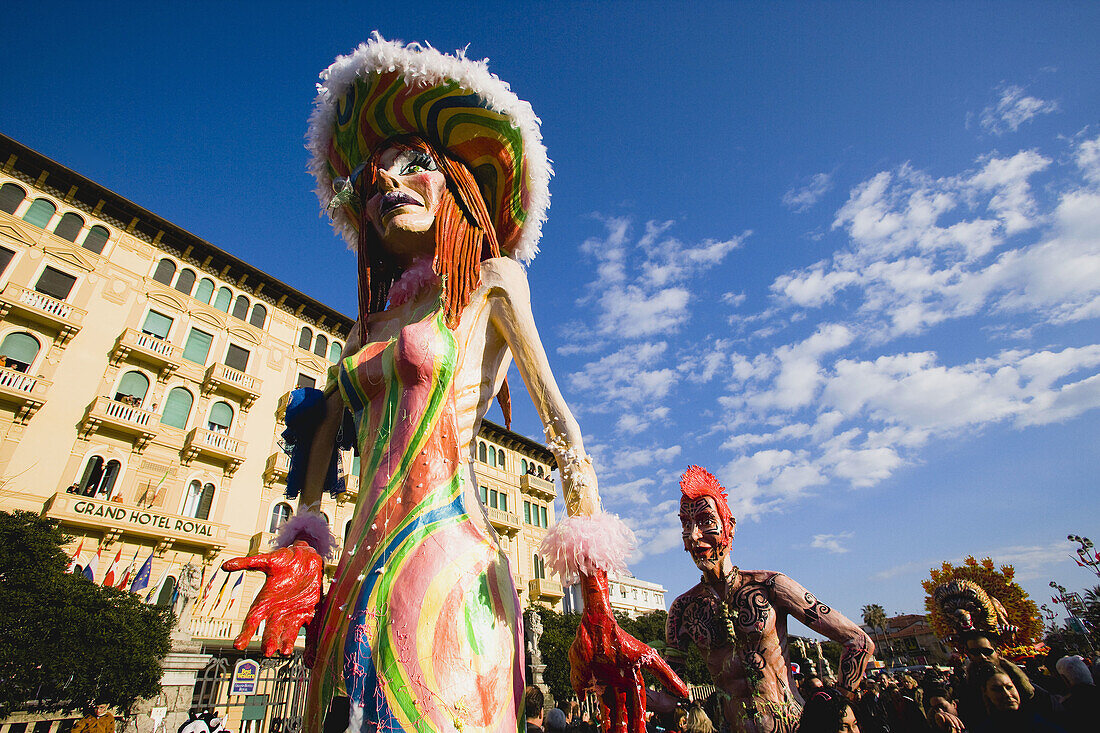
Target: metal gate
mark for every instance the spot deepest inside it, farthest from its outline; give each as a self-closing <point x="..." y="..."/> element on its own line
<point x="276" y="706"/>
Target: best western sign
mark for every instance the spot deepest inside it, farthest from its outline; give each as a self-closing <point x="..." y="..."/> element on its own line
<point x="143" y="518"/>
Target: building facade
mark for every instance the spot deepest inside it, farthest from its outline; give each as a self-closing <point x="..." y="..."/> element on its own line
<point x="143" y="377"/>
<point x="628" y="594"/>
<point x="908" y="639"/>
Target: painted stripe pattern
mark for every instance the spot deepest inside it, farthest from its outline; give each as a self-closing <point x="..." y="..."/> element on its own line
<point x="382" y="106"/>
<point x="421" y="625"/>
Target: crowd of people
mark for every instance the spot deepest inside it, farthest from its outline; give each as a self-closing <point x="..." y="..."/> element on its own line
<point x="986" y="693"/>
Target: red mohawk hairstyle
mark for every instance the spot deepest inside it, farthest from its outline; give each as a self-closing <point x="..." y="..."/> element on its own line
<point x="697" y="483"/>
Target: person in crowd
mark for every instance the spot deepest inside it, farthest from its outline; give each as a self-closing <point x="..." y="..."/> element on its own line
<point x="554" y="721"/>
<point x="870" y="711"/>
<point x="828" y="711"/>
<point x="98" y="718"/>
<point x="1007" y="711"/>
<point x="809" y="683"/>
<point x="1079" y="709"/>
<point x="903" y="713"/>
<point x="941" y="711"/>
<point x="738" y="619"/>
<point x="979" y="648"/>
<point x="696" y="721"/>
<point x="533" y="701"/>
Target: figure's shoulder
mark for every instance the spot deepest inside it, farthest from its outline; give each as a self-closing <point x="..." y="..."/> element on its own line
<point x="503" y="272"/>
<point x="699" y="590"/>
<point x="767" y="578"/>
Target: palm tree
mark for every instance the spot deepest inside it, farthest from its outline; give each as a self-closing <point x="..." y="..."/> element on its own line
<point x="874" y="616"/>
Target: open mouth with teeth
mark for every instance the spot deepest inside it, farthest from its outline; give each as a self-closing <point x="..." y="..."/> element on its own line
<point x="394" y="200"/>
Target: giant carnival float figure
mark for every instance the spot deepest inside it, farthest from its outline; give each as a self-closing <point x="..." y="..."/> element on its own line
<point x="738" y="619"/>
<point x="435" y="173"/>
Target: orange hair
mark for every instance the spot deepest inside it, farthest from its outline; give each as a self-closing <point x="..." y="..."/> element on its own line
<point x="464" y="237"/>
<point x="697" y="483"/>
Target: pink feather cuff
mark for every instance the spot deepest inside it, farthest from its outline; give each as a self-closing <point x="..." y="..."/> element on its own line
<point x="584" y="544"/>
<point x="311" y="527"/>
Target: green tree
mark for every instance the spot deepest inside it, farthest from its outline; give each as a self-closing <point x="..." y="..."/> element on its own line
<point x="65" y="641"/>
<point x="874" y="616"/>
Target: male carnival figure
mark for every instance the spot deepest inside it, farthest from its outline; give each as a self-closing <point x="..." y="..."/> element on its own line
<point x="738" y="619"/>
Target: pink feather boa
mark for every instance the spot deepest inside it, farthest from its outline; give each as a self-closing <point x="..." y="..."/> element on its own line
<point x="310" y="526"/>
<point x="584" y="544"/>
<point x="419" y="276"/>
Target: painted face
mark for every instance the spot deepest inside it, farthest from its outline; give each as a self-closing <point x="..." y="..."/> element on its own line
<point x="1001" y="693"/>
<point x="848" y="723"/>
<point x="702" y="527"/>
<point x="405" y="200"/>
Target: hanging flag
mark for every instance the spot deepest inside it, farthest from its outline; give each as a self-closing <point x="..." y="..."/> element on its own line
<point x="129" y="571"/>
<point x="109" y="578"/>
<point x="90" y="568"/>
<point x="221" y="592"/>
<point x="154" y="591"/>
<point x="141" y="580"/>
<point x="234" y="594"/>
<point x="76" y="557"/>
<point x="206" y="590"/>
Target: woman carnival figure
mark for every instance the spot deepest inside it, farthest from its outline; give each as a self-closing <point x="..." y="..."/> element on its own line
<point x="435" y="173"/>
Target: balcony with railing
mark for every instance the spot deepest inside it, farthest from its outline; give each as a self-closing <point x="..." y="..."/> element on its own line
<point x="546" y="590"/>
<point x="222" y="629"/>
<point x="66" y="318"/>
<point x="218" y="447"/>
<point x="227" y="379"/>
<point x="122" y="417"/>
<point x="147" y="349"/>
<point x="280" y="409"/>
<point x="118" y="519"/>
<point x="504" y="522"/>
<point x="25" y="392"/>
<point x="278" y="466"/>
<point x="537" y="486"/>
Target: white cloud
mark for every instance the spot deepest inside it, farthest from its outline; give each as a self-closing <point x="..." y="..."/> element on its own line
<point x="1013" y="108"/>
<point x="831" y="542"/>
<point x="803" y="198"/>
<point x="1029" y="561"/>
<point x="622" y="377"/>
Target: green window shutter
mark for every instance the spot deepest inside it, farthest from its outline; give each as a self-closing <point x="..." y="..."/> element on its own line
<point x="503" y="502"/>
<point x="542" y="515"/>
<point x="134" y="384"/>
<point x="197" y="347"/>
<point x="20" y="347"/>
<point x="527" y="512"/>
<point x="221" y="415"/>
<point x="157" y="324"/>
<point x="205" y="502"/>
<point x="96" y="239"/>
<point x="39" y="213"/>
<point x="222" y="300"/>
<point x="205" y="290"/>
<point x="493" y="499"/>
<point x="177" y="408"/>
<point x="69" y="226"/>
<point x="334" y="351"/>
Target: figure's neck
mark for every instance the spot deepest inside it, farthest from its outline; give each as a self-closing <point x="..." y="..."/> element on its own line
<point x="596" y="594"/>
<point x="724" y="574"/>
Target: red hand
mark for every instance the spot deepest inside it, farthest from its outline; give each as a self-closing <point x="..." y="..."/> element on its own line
<point x="606" y="658"/>
<point x="288" y="599"/>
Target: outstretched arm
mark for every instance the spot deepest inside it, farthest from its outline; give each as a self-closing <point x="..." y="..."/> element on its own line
<point x="510" y="298"/>
<point x="803" y="605"/>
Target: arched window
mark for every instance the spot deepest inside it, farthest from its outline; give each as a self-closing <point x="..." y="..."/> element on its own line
<point x="500" y="458"/>
<point x="538" y="569"/>
<point x="259" y="316"/>
<point x="19" y="350"/>
<point x="539" y="471"/>
<point x="223" y="299"/>
<point x="99" y="478"/>
<point x="185" y="283"/>
<point x="240" y="308"/>
<point x="334" y="351"/>
<point x="279" y="514"/>
<point x="481" y="452"/>
<point x="132" y="388"/>
<point x="206" y="500"/>
<point x="305" y="338"/>
<point x="205" y="290"/>
<point x="492" y="456"/>
<point x="177" y="408"/>
<point x="221" y="418"/>
<point x="166" y="269"/>
<point x="96" y="239"/>
<point x="191" y="498"/>
<point x="320" y="346"/>
<point x="69" y="226"/>
<point x="10" y="197"/>
<point x="523" y="465"/>
<point x="164" y="598"/>
<point x="39" y="213"/>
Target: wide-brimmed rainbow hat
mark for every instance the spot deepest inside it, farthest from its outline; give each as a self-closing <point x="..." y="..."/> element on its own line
<point x="387" y="89"/>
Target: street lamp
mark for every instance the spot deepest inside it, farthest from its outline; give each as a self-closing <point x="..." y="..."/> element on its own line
<point x="1071" y="601"/>
<point x="1089" y="558"/>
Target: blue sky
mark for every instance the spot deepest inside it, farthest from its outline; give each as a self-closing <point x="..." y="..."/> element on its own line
<point x="845" y="256"/>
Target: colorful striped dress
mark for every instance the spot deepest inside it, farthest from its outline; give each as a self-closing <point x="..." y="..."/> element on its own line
<point x="421" y="625"/>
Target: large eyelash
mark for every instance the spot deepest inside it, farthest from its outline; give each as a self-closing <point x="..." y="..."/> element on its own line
<point x="422" y="159"/>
